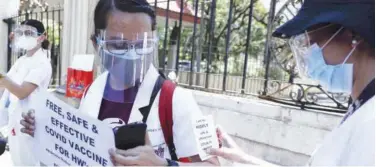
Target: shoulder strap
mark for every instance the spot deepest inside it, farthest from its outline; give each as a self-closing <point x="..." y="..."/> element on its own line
<point x="146" y="110"/>
<point x="165" y="115"/>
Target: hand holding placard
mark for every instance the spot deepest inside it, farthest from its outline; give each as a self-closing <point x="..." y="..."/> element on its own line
<point x="205" y="135"/>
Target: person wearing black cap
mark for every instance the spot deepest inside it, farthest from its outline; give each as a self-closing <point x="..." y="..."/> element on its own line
<point x="333" y="42"/>
<point x="30" y="74"/>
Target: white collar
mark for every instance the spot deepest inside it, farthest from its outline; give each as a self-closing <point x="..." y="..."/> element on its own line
<point x="38" y="55"/>
<point x="144" y="94"/>
<point x="93" y="99"/>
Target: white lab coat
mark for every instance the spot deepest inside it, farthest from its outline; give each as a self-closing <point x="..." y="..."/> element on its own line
<point x="35" y="69"/>
<point x="351" y="143"/>
<point x="185" y="109"/>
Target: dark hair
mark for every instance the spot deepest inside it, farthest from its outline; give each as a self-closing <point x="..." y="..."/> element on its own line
<point x="40" y="28"/>
<point x="104" y="7"/>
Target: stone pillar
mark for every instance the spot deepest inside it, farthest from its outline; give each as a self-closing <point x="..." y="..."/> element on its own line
<point x="7" y="9"/>
<point x="3" y="46"/>
<point x="77" y="27"/>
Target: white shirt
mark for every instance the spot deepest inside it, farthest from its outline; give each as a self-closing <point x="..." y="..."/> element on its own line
<point x="185" y="109"/>
<point x="34" y="69"/>
<point x="351" y="143"/>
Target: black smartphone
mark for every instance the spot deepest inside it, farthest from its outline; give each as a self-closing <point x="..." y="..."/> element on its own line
<point x="130" y="136"/>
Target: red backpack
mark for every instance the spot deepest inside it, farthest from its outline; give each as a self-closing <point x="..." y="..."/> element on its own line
<point x="167" y="88"/>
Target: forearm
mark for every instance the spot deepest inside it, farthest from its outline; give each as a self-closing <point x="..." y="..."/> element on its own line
<point x="18" y="90"/>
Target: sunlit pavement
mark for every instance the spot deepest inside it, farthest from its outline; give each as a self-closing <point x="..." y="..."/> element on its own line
<point x="5" y="160"/>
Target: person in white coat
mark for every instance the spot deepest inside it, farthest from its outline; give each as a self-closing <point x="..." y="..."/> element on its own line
<point x="127" y="45"/>
<point x="30" y="74"/>
<point x="333" y="42"/>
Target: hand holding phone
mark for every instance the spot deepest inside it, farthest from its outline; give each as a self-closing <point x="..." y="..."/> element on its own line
<point x="130" y="136"/>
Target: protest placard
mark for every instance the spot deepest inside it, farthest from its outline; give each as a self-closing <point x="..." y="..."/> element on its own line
<point x="206" y="136"/>
<point x="66" y="137"/>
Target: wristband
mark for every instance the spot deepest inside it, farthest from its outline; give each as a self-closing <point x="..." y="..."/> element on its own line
<point x="172" y="163"/>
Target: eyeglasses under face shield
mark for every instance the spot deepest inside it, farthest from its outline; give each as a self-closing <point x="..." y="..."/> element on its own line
<point x="126" y="57"/>
<point x="25" y="30"/>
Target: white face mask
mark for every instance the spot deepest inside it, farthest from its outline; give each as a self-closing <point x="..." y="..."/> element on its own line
<point x="26" y="43"/>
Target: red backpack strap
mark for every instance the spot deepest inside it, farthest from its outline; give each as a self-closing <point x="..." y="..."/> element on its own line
<point x="165" y="115"/>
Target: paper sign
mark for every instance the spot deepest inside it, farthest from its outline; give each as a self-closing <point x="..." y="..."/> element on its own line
<point x="206" y="136"/>
<point x="66" y="137"/>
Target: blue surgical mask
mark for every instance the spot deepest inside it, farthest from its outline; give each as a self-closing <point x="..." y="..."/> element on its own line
<point x="334" y="78"/>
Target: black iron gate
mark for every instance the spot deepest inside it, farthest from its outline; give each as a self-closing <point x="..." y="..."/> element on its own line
<point x="227" y="48"/>
<point x="52" y="19"/>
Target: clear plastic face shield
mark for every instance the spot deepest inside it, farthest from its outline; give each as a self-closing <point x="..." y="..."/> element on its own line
<point x="25" y="37"/>
<point x="127" y="58"/>
<point x="311" y="63"/>
<point x="301" y="46"/>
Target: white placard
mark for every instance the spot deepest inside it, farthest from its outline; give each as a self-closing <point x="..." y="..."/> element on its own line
<point x="66" y="137"/>
<point x="206" y="136"/>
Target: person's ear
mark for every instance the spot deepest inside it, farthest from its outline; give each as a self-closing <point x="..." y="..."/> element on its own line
<point x="347" y="36"/>
<point x="42" y="38"/>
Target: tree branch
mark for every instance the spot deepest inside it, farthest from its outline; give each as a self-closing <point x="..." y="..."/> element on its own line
<point x="232" y="22"/>
<point x="261" y="20"/>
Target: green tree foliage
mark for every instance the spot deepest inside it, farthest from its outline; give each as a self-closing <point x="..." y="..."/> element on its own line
<point x="238" y="28"/>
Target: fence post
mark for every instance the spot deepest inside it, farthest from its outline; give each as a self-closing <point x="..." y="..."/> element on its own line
<point x="267" y="44"/>
<point x="27" y="15"/>
<point x="211" y="36"/>
<point x="228" y="36"/>
<point x="179" y="35"/>
<point x="247" y="45"/>
<point x="60" y="48"/>
<point x="193" y="43"/>
<point x="200" y="44"/>
<point x="165" y="37"/>
<point x="9" y="48"/>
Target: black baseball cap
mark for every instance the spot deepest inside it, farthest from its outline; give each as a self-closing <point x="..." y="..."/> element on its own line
<point x="35" y="23"/>
<point x="355" y="15"/>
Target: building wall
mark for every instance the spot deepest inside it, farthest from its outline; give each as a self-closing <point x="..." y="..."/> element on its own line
<point x="275" y="133"/>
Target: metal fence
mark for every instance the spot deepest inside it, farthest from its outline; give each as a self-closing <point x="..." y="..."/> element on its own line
<point x="231" y="42"/>
<point x="52" y="20"/>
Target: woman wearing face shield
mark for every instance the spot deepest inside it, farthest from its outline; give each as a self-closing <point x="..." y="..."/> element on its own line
<point x="30" y="74"/>
<point x="127" y="45"/>
<point x="333" y="42"/>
